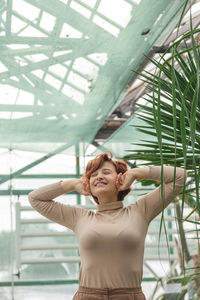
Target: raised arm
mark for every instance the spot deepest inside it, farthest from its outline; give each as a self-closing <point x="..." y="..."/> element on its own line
<point x="151" y="204"/>
<point x="42" y="200"/>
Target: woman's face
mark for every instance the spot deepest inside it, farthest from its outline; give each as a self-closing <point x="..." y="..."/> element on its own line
<point x="103" y="180"/>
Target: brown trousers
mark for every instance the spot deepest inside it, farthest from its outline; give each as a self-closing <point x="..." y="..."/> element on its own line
<point x="85" y="293"/>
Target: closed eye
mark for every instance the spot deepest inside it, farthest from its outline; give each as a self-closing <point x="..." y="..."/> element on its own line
<point x="93" y="174"/>
<point x="105" y="171"/>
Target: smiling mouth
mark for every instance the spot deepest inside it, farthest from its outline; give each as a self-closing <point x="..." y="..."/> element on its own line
<point x="100" y="183"/>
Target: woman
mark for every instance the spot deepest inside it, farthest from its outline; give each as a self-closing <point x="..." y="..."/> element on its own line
<point x="111" y="241"/>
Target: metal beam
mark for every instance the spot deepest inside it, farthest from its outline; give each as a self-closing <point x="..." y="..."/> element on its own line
<point x="98" y="146"/>
<point x="41" y="176"/>
<point x="52" y="247"/>
<point x="38" y="161"/>
<point x="83" y="24"/>
<point x="132" y="96"/>
<point x="38" y="282"/>
<point x="31" y="108"/>
<point x="69" y="43"/>
<point x="77" y="154"/>
<point x="29" y="23"/>
<point x="103" y="133"/>
<point x="151" y="270"/>
<point x="29" y="208"/>
<point x="37" y="65"/>
<point x="23" y="192"/>
<point x="164" y="48"/>
<point x="38" y="89"/>
<point x="55" y="282"/>
<point x="8" y="18"/>
<point x="55" y="91"/>
<point x="55" y="34"/>
<point x="47" y="234"/>
<point x="184" y="28"/>
<point x="6" y="51"/>
<point x="107" y="130"/>
<point x="45" y="97"/>
<point x="96" y="12"/>
<point x="14" y="69"/>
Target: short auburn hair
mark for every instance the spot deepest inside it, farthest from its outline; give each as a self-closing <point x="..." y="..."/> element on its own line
<point x="96" y="163"/>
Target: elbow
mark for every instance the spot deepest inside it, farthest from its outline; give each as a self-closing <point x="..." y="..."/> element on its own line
<point x="183" y="176"/>
<point x="31" y="199"/>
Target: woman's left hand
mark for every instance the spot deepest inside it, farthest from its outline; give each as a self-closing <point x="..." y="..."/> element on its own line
<point x="124" y="181"/>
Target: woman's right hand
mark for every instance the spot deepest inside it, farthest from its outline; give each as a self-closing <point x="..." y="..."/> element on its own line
<point x="82" y="187"/>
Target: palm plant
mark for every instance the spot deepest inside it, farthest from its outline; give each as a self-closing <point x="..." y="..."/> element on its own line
<point x="172" y="115"/>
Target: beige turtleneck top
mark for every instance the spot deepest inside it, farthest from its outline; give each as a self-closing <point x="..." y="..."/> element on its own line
<point x="111" y="240"/>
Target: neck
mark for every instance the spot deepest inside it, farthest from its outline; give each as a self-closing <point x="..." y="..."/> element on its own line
<point x="107" y="198"/>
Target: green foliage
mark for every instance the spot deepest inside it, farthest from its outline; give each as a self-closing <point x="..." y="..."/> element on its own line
<point x="173" y="111"/>
<point x="172" y="114"/>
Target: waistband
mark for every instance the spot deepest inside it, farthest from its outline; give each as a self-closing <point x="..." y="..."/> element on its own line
<point x="108" y="291"/>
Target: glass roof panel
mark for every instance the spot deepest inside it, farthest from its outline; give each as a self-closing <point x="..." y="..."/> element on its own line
<point x="47" y="21"/>
<point x="80" y="9"/>
<point x="122" y="13"/>
<point x="91" y="3"/>
<point x="75" y="58"/>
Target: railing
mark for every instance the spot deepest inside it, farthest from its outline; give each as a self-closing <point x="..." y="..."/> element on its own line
<point x="20" y="236"/>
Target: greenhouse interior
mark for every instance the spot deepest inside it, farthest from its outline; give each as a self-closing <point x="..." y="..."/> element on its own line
<point x="84" y="77"/>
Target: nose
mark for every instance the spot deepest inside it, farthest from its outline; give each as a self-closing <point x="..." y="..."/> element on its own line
<point x="99" y="176"/>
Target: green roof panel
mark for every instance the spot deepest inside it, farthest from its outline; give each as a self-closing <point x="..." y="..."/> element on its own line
<point x="65" y="65"/>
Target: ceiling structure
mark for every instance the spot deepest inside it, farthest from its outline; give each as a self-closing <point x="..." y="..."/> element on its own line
<point x="137" y="88"/>
<point x="67" y="74"/>
<point x="67" y="67"/>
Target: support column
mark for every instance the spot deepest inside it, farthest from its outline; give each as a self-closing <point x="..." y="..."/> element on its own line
<point x="169" y="226"/>
<point x="78" y="196"/>
<point x="77" y="151"/>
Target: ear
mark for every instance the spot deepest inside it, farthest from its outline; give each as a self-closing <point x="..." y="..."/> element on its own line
<point x="118" y="181"/>
<point x="86" y="186"/>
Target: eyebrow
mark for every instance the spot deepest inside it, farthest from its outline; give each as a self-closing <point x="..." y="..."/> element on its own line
<point x="104" y="169"/>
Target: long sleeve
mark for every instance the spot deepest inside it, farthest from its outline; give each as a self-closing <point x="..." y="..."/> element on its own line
<point x="151" y="204"/>
<point x="41" y="200"/>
